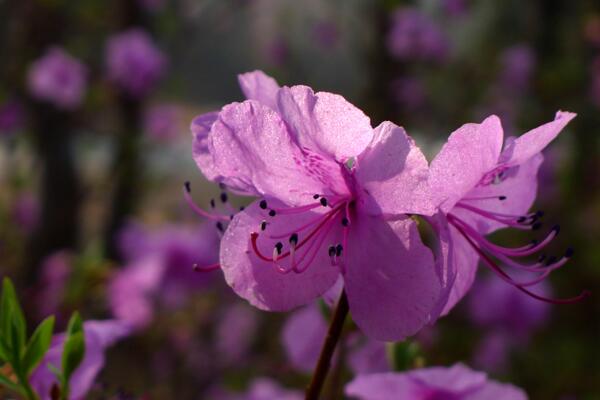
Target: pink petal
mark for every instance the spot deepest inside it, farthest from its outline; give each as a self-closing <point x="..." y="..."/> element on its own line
<point x="302" y="335"/>
<point x="258" y="86"/>
<point x="384" y="386"/>
<point x="470" y="153"/>
<point x="259" y="281"/>
<point x="253" y="151"/>
<point x="393" y="174"/>
<point x="325" y="122"/>
<point x="457" y="378"/>
<point x="534" y="141"/>
<point x="519" y="187"/>
<point x="391" y="281"/>
<point x="200" y="128"/>
<point x="465" y="261"/>
<point x="498" y="391"/>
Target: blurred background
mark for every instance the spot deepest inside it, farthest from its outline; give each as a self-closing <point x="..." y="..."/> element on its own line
<point x="96" y="98"/>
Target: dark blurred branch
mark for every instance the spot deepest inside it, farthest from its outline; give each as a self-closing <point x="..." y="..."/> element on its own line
<point x="126" y="167"/>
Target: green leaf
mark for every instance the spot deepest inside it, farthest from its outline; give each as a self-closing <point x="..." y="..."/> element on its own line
<point x="74" y="350"/>
<point x="7" y="383"/>
<point x="75" y="324"/>
<point x="12" y="315"/>
<point x="38" y="345"/>
<point x="403" y="355"/>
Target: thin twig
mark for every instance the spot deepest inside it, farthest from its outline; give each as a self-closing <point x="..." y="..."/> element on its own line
<point x="333" y="335"/>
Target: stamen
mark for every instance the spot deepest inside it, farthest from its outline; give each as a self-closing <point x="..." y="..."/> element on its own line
<point x="212" y="203"/>
<point x="263" y="204"/>
<point x="345" y="221"/>
<point x="323" y="201"/>
<point x="272" y="213"/>
<point x="294" y="239"/>
<point x="338" y="250"/>
<point x="224" y="197"/>
<point x="316" y="196"/>
<point x="220" y="226"/>
<point x="207" y="268"/>
<point x="263" y="225"/>
<point x="198" y="210"/>
<point x="277" y="251"/>
<point x="331" y="251"/>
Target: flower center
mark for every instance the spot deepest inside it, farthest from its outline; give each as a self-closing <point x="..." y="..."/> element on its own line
<point x="304" y="242"/>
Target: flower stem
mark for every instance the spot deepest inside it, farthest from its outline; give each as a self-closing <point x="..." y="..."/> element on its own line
<point x="333" y="335"/>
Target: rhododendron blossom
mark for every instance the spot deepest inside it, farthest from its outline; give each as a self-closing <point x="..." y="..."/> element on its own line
<point x="481" y="187"/>
<point x="454" y="383"/>
<point x="333" y="198"/>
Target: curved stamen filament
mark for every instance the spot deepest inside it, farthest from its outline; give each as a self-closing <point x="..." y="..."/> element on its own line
<point x="200" y="211"/>
<point x="523" y="251"/>
<point x="505" y="219"/>
<point x="507" y="278"/>
<point x="305" y="226"/>
<point x="206" y="268"/>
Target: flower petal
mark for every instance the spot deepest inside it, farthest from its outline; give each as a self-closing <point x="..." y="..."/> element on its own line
<point x="533" y="142"/>
<point x="254" y="152"/>
<point x="259" y="86"/>
<point x="325" y="122"/>
<point x="465" y="261"/>
<point x="391" y="282"/>
<point x="200" y="128"/>
<point x="518" y="188"/>
<point x="302" y="333"/>
<point x="259" y="281"/>
<point x="392" y="173"/>
<point x="470" y="153"/>
<point x="498" y="391"/>
<point x="384" y="386"/>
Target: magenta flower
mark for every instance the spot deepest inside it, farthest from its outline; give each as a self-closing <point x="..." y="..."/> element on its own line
<point x="454" y="383"/>
<point x="307" y="327"/>
<point x="134" y="62"/>
<point x="26" y="212"/>
<point x="236" y="332"/>
<point x="163" y="122"/>
<point x="55" y="272"/>
<point x="58" y="78"/>
<point x="160" y="271"/>
<point x="481" y="188"/>
<point x="333" y="194"/>
<point x="414" y="36"/>
<point x="260" y="389"/>
<point x="99" y="335"/>
<point x="514" y="312"/>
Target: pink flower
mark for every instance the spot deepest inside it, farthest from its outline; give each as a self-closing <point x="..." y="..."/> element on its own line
<point x="306" y="328"/>
<point x="333" y="194"/>
<point x="134" y="62"/>
<point x="481" y="187"/>
<point x="55" y="272"/>
<point x="99" y="335"/>
<point x="236" y="332"/>
<point x="163" y="122"/>
<point x="58" y="78"/>
<point x="260" y="389"/>
<point x="414" y="36"/>
<point x="160" y="270"/>
<point x="454" y="383"/>
<point x="11" y="117"/>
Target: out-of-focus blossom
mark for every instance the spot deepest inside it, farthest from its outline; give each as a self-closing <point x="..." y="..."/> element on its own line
<point x="497" y="306"/>
<point x="409" y="93"/>
<point x="330" y="217"/>
<point x="326" y="34"/>
<point x="455" y="7"/>
<point x="152" y="5"/>
<point x="517" y="64"/>
<point x="163" y="122"/>
<point x="414" y="36"/>
<point x="134" y="62"/>
<point x="58" y="78"/>
<point x="493" y="351"/>
<point x="368" y="357"/>
<point x="306" y="329"/>
<point x="161" y="273"/>
<point x="11" y="117"/>
<point x="277" y="52"/>
<point x="595" y="84"/>
<point x="302" y="335"/>
<point x="491" y="189"/>
<point x="262" y="389"/>
<point x="236" y="332"/>
<point x="55" y="272"/>
<point x="26" y="212"/>
<point x="454" y="383"/>
<point x="99" y="335"/>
